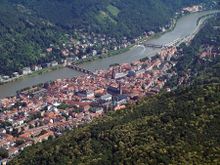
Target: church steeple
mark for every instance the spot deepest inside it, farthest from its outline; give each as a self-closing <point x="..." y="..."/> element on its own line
<point x="113" y="73"/>
<point x="120" y="88"/>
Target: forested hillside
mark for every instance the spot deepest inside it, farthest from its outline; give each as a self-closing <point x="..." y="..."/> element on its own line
<point x="23" y="37"/>
<point x="115" y="17"/>
<point x="179" y="127"/>
<point x="29" y="27"/>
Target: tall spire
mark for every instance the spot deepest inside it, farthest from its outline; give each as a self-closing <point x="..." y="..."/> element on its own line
<point x="120" y="89"/>
<point x="113" y="73"/>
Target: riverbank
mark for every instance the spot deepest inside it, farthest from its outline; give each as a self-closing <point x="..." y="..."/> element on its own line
<point x="34" y="73"/>
<point x="124" y="50"/>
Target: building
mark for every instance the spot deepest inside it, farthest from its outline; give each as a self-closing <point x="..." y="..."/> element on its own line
<point x="36" y="68"/>
<point x="106" y="97"/>
<point x="119" y="75"/>
<point x="94" y="52"/>
<point x="136" y="73"/>
<point x="54" y="63"/>
<point x="97" y="110"/>
<point x="13" y="151"/>
<point x="15" y="74"/>
<point x="43" y="137"/>
<point x="86" y="94"/>
<point x="113" y="90"/>
<point x="121" y="100"/>
<point x="4" y="162"/>
<point x="26" y="70"/>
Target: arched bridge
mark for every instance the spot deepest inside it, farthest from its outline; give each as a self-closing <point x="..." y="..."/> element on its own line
<point x="80" y="69"/>
<point x="154" y="46"/>
<point x="160" y="46"/>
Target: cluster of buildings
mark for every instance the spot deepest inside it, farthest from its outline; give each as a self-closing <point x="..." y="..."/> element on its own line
<point x="192" y="9"/>
<point x="28" y="70"/>
<point x="47" y="110"/>
<point x="209" y="52"/>
<point x="82" y="45"/>
<point x="78" y="47"/>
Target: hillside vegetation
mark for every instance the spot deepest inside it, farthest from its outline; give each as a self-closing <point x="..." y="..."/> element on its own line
<point x="23" y="37"/>
<point x="121" y="17"/>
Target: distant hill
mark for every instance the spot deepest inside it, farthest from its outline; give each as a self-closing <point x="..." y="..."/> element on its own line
<point x="122" y="17"/>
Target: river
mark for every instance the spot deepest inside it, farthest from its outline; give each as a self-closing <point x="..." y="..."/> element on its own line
<point x="185" y="26"/>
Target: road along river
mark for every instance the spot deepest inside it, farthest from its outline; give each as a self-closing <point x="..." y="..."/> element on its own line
<point x="185" y="26"/>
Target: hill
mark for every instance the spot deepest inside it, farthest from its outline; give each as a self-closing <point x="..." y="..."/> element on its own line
<point x="121" y="17"/>
<point x="28" y="28"/>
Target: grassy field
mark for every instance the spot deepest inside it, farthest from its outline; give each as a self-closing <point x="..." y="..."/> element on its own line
<point x="113" y="10"/>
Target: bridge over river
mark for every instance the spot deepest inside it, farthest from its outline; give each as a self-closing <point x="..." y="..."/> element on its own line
<point x="158" y="46"/>
<point x="81" y="69"/>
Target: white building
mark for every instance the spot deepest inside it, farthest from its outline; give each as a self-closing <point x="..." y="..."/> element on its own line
<point x="26" y="70"/>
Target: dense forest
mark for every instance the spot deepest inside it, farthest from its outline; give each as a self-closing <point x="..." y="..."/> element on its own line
<point x="29" y="27"/>
<point x="115" y="17"/>
<point x="178" y="127"/>
<point x="23" y="37"/>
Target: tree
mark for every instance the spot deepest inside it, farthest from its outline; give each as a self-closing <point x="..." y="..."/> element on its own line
<point x="3" y="153"/>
